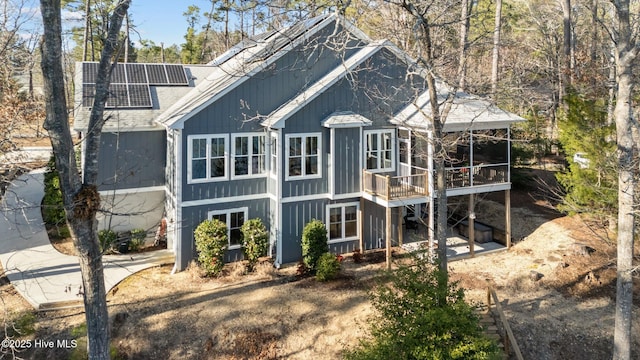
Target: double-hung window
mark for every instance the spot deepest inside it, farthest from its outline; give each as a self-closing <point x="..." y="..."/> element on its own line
<point x="303" y="156"/>
<point x="249" y="155"/>
<point x="233" y="218"/>
<point x="207" y="158"/>
<point x="380" y="153"/>
<point x="342" y="222"/>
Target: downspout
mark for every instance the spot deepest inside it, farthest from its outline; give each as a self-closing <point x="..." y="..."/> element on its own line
<point x="177" y="234"/>
<point x="279" y="177"/>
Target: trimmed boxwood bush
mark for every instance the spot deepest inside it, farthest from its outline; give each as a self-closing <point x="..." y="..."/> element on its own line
<point x="314" y="243"/>
<point x="211" y="243"/>
<point x="138" y="236"/>
<point x="328" y="267"/>
<point x="255" y="241"/>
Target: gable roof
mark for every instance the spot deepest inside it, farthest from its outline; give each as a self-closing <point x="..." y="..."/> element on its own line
<point x="244" y="60"/>
<point x="210" y="82"/>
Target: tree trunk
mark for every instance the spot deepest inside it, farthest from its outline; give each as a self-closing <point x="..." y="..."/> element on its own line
<point x="87" y="25"/>
<point x="565" y="69"/>
<point x="626" y="53"/>
<point x="465" y="11"/>
<point x="437" y="121"/>
<point x="496" y="51"/>
<point x="81" y="199"/>
<point x="126" y="38"/>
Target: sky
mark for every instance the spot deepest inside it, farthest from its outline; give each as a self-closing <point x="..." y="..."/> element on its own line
<point x="158" y="20"/>
<point x="162" y="20"/>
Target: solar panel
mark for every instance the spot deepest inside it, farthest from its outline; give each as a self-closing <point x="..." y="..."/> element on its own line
<point x="89" y="72"/>
<point x="88" y="92"/>
<point x="118" y="96"/>
<point x="130" y="83"/>
<point x="139" y="95"/>
<point x="176" y="75"/>
<point x="136" y="74"/>
<point x="117" y="75"/>
<point x="157" y="74"/>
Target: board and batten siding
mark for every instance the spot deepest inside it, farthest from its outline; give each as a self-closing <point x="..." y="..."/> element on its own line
<point x="346" y="156"/>
<point x="295" y="216"/>
<point x="129" y="160"/>
<point x="375" y="226"/>
<point x="192" y="217"/>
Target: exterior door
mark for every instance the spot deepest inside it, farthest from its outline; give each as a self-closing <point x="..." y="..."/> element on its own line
<point x="404" y="168"/>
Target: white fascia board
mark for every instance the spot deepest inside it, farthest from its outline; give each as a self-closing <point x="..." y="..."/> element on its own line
<point x="277" y="119"/>
<point x="179" y="123"/>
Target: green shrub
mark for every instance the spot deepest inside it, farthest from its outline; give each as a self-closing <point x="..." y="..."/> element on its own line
<point x="138" y="237"/>
<point x="420" y="315"/>
<point x="314" y="243"/>
<point x="255" y="241"/>
<point x="328" y="267"/>
<point x="107" y="239"/>
<point x="211" y="243"/>
<point x="52" y="205"/>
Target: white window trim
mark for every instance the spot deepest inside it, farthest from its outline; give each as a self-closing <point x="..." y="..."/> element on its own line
<point x="208" y="178"/>
<point x="232" y="163"/>
<point x="328" y="223"/>
<point x="394" y="152"/>
<point x="228" y="212"/>
<point x="273" y="139"/>
<point x="304" y="136"/>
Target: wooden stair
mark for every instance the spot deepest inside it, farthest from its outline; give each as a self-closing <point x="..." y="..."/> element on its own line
<point x="490" y="326"/>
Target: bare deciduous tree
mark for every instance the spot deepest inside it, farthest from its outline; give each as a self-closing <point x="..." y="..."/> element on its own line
<point x="80" y="194"/>
<point x="625" y="32"/>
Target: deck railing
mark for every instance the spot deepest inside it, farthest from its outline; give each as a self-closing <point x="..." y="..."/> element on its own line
<point x="476" y="175"/>
<point x="395" y="187"/>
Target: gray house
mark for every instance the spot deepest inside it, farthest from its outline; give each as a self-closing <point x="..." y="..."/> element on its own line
<point x="316" y="121"/>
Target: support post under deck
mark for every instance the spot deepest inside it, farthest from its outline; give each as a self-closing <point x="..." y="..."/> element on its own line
<point x="472" y="226"/>
<point x="361" y="230"/>
<point x="388" y="239"/>
<point x="507" y="217"/>
<point x="400" y="229"/>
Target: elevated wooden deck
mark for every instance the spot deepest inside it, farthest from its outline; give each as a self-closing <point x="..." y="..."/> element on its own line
<point x="395" y="188"/>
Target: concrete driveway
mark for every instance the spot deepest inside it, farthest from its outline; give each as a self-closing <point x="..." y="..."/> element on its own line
<point x="45" y="277"/>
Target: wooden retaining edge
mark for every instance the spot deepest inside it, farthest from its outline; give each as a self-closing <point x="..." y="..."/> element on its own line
<point x="510" y="339"/>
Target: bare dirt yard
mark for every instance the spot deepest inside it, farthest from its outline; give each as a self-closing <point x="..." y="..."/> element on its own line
<point x="556" y="284"/>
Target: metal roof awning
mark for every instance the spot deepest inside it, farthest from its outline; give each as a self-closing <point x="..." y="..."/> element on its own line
<point x="345" y="119"/>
